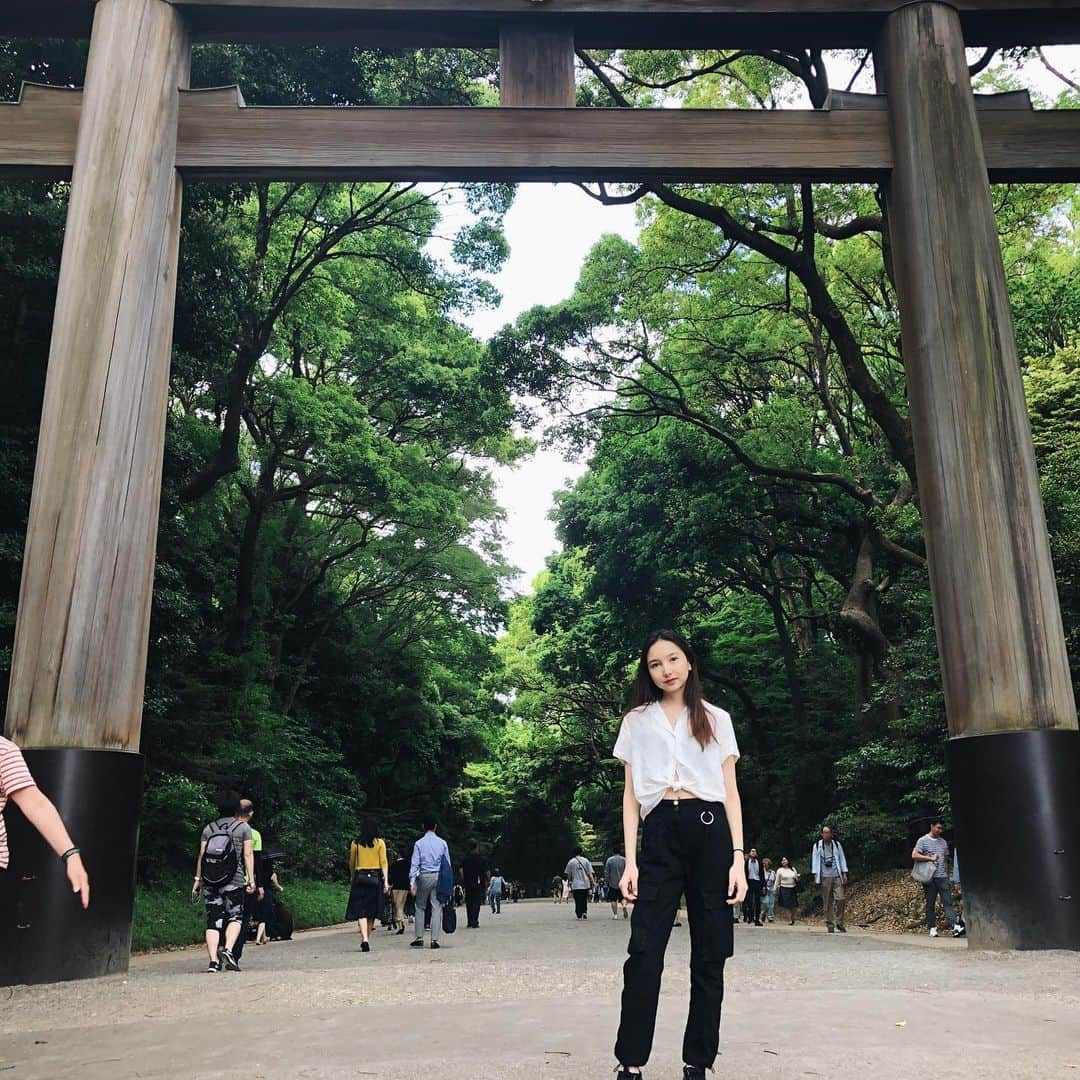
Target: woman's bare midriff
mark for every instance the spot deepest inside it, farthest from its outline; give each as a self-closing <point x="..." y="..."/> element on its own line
<point x="682" y="793"/>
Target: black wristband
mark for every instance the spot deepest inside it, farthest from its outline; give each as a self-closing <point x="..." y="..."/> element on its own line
<point x="67" y="854"/>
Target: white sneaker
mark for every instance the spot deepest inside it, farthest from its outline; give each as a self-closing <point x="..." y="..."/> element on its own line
<point x="959" y="930"/>
<point x="933" y="931"/>
<point x="614" y="915"/>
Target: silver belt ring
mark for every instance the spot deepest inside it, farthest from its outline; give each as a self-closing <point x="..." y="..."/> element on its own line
<point x="710" y="815"/>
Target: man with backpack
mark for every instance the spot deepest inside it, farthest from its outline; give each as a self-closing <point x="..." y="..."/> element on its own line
<point x="226" y="861"/>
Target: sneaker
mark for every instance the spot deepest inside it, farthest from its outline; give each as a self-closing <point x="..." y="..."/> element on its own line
<point x="230" y="961"/>
<point x="626" y="1074"/>
<point x="436" y="945"/>
<point x="933" y="931"/>
<point x="365" y="946"/>
<point x="614" y="914"/>
<point x="213" y="968"/>
<point x="416" y="943"/>
<point x="959" y="930"/>
<point x="692" y="1072"/>
<point x="841" y="929"/>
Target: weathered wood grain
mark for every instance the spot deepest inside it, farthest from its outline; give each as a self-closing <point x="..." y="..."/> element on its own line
<point x="84" y="607"/>
<point x="596" y="23"/>
<point x="219" y="139"/>
<point x="536" y="66"/>
<point x="995" y="600"/>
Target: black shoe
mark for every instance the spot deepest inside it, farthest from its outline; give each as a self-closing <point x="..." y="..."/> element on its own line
<point x="436" y="945"/>
<point x="365" y="946"/>
<point x="757" y="924"/>
<point x="230" y="961"/>
<point x="692" y="1072"/>
<point x="841" y="929"/>
<point x="213" y="968"/>
<point x="416" y="943"/>
<point x="401" y="930"/>
<point x="831" y="929"/>
<point x="626" y="1074"/>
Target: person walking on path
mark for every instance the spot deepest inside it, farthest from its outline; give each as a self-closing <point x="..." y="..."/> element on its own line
<point x="934" y="848"/>
<point x="473" y="871"/>
<point x="556" y="889"/>
<point x="369" y="873"/>
<point x="565" y="889"/>
<point x="614" y="869"/>
<point x="768" y="896"/>
<point x="18" y="785"/>
<point x="787" y="888"/>
<point x="755" y="883"/>
<point x="399" y="890"/>
<point x="224" y="875"/>
<point x="427" y="856"/>
<point x="496" y="887"/>
<point x="251" y="899"/>
<point x="679" y="754"/>
<point x="828" y="864"/>
<point x="579" y="872"/>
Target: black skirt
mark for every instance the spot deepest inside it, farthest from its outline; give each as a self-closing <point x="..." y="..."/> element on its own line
<point x="789" y="897"/>
<point x="365" y="896"/>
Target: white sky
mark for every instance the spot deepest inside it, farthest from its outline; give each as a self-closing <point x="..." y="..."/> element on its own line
<point x="550" y="229"/>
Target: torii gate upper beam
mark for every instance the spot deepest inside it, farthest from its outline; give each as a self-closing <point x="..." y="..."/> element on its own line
<point x="657" y="24"/>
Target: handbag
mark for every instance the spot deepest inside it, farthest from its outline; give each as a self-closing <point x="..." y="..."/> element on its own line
<point x="449" y="919"/>
<point x="923" y="872"/>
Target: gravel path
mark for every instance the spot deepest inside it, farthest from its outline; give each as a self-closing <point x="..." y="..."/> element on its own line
<point x="534" y="993"/>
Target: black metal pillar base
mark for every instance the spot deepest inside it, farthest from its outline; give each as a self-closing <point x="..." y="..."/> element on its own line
<point x="1016" y="797"/>
<point x="45" y="936"/>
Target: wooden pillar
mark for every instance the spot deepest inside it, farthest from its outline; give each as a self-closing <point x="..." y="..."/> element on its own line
<point x="1014" y="749"/>
<point x="78" y="669"/>
<point x="536" y="66"/>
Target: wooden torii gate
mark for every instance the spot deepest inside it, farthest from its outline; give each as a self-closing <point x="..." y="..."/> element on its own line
<point x="134" y="134"/>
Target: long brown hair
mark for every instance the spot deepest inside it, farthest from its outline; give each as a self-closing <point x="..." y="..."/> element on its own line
<point x="645" y="691"/>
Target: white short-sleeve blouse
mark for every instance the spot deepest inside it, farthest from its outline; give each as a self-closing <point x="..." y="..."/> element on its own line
<point x="661" y="756"/>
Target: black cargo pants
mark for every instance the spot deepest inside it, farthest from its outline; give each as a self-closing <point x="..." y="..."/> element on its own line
<point x="686" y="848"/>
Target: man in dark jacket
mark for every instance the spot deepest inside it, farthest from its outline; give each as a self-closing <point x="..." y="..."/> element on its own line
<point x="474" y="873"/>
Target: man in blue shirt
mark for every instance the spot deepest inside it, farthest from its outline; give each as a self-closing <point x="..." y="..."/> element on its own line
<point x="427" y="857"/>
<point x="828" y="864"/>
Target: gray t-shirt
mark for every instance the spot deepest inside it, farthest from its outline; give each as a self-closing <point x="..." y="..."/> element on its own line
<point x="239" y="831"/>
<point x="579" y="870"/>
<point x="613" y="870"/>
<point x="927" y="845"/>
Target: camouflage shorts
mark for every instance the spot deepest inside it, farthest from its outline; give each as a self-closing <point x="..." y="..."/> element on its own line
<point x="224" y="907"/>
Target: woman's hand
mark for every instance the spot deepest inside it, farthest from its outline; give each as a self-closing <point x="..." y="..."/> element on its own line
<point x="78" y="878"/>
<point x="628" y="883"/>
<point x="737" y="882"/>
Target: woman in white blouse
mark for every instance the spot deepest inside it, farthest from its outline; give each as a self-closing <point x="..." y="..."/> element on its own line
<point x="679" y="753"/>
<point x="787" y="885"/>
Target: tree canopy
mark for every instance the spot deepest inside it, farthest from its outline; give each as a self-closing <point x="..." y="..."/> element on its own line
<point x="333" y="628"/>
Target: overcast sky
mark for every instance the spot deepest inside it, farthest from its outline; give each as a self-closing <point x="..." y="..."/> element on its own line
<point x="551" y="228"/>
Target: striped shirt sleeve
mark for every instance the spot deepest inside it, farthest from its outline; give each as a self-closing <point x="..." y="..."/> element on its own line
<point x="14" y="775"/>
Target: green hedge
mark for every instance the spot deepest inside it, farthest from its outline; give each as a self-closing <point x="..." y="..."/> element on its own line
<point x="166" y="918"/>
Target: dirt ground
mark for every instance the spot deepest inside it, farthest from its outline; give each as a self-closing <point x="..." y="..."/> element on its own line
<point x="535" y="993"/>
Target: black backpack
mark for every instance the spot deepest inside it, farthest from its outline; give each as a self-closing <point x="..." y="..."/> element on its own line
<point x="219" y="862"/>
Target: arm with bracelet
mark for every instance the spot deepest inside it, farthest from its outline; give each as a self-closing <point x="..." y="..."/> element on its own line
<point x="17" y="784"/>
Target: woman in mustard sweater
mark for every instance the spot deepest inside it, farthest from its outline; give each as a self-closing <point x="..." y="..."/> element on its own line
<point x="370" y="880"/>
